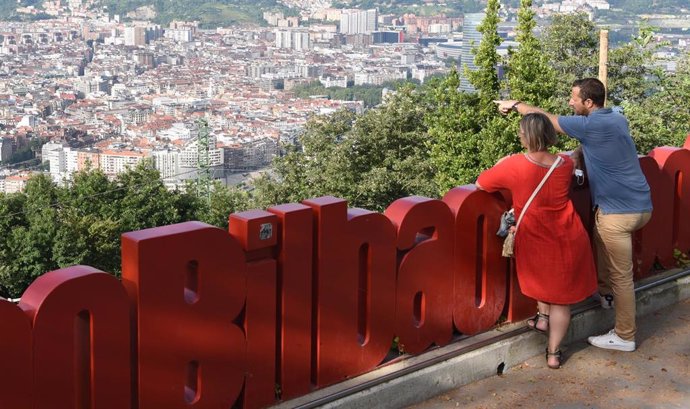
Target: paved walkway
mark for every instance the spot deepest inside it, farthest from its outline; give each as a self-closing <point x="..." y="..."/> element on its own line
<point x="657" y="375"/>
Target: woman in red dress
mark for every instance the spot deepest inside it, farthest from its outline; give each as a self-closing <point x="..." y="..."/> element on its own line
<point x="553" y="255"/>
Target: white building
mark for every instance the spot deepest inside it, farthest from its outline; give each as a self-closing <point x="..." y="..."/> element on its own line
<point x="380" y="76"/>
<point x="135" y="36"/>
<point x="113" y="162"/>
<point x="167" y="162"/>
<point x="189" y="154"/>
<point x="294" y="39"/>
<point x="358" y="21"/>
<point x="181" y="35"/>
<point x="54" y="154"/>
<point x="15" y="183"/>
<point x="329" y="81"/>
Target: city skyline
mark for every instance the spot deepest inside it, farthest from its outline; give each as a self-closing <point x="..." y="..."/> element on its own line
<point x="89" y="85"/>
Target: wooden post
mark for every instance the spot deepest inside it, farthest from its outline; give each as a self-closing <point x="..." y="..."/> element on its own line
<point x="603" y="57"/>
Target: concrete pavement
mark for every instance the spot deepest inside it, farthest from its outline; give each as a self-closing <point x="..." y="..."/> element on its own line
<point x="465" y="373"/>
<point x="656" y="375"/>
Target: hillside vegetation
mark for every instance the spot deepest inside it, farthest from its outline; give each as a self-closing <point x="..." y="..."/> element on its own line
<point x="211" y="14"/>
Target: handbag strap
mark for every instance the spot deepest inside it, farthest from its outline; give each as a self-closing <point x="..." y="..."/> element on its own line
<point x="529" y="201"/>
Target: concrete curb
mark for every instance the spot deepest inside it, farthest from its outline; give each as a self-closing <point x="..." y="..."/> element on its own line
<point x="414" y="379"/>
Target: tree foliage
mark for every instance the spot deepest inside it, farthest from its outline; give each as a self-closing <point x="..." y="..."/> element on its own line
<point x="371" y="160"/>
<point x="663" y="117"/>
<point x="530" y="76"/>
<point x="486" y="58"/>
<point x="48" y="227"/>
<point x="466" y="132"/>
<point x="571" y="46"/>
<point x="371" y="95"/>
<point x="632" y="73"/>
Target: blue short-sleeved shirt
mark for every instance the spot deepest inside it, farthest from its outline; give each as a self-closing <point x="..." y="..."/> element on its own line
<point x="616" y="180"/>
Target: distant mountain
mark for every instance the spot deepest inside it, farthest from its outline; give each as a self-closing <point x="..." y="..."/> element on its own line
<point x="8" y="8"/>
<point x="211" y="13"/>
<point x="650" y="6"/>
<point x="454" y="7"/>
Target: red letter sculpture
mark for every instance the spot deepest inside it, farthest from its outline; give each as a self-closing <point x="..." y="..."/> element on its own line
<point x="257" y="231"/>
<point x="480" y="271"/>
<point x="82" y="343"/>
<point x="356" y="289"/>
<point x="187" y="284"/>
<point x="424" y="313"/>
<point x="16" y="365"/>
<point x="294" y="297"/>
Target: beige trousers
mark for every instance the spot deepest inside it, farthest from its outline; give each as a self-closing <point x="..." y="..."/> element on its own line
<point x="613" y="241"/>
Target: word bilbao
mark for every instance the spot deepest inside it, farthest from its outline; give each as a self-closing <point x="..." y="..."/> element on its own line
<point x="290" y="299"/>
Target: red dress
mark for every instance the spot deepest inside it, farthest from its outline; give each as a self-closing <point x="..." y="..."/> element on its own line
<point x="553" y="255"/>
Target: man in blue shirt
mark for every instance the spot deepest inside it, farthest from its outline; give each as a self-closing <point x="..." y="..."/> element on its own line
<point x="620" y="195"/>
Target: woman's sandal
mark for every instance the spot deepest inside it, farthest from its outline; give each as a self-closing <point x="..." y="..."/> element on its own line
<point x="533" y="323"/>
<point x="557" y="354"/>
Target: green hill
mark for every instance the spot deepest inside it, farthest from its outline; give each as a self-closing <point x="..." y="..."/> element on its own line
<point x="210" y="13"/>
<point x="8" y="10"/>
<point x="650" y="6"/>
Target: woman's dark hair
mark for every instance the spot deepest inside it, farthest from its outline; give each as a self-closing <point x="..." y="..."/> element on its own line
<point x="592" y="88"/>
<point x="538" y="132"/>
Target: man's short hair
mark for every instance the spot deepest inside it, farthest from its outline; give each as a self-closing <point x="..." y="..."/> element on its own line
<point x="592" y="88"/>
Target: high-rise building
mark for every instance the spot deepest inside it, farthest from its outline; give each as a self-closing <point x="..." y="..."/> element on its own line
<point x="189" y="154"/>
<point x="294" y="39"/>
<point x="300" y="40"/>
<point x="181" y="35"/>
<point x="358" y="21"/>
<point x="153" y="33"/>
<point x="470" y="39"/>
<point x="135" y="36"/>
<point x="283" y="39"/>
<point x="167" y="161"/>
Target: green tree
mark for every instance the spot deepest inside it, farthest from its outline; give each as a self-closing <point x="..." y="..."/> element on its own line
<point x="87" y="239"/>
<point x="452" y="126"/>
<point x="530" y="76"/>
<point x="486" y="58"/>
<point x="89" y="229"/>
<point x="384" y="157"/>
<point x="631" y="69"/>
<point x="92" y="192"/>
<point x="571" y="46"/>
<point x="301" y="172"/>
<point x="215" y="211"/>
<point x="29" y="244"/>
<point x="371" y="159"/>
<point x="11" y="217"/>
<point x="145" y="202"/>
<point x="662" y="118"/>
<point x="467" y="133"/>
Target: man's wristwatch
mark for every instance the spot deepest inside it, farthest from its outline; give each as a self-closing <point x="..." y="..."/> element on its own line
<point x="514" y="107"/>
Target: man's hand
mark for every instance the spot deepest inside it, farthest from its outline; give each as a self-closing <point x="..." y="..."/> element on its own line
<point x="506" y="106"/>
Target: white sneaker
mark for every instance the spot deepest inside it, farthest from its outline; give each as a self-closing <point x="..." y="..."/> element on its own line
<point x="611" y="340"/>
